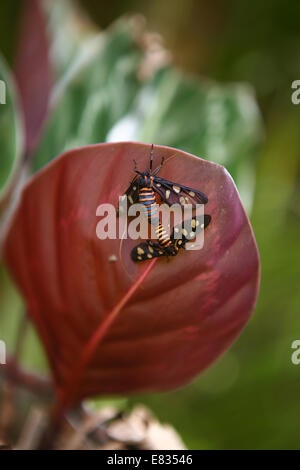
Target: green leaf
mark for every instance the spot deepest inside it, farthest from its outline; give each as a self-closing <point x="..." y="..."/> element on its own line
<point x="120" y="403"/>
<point x="94" y="94"/>
<point x="33" y="355"/>
<point x="220" y="123"/>
<point x="68" y="29"/>
<point x="101" y="98"/>
<point x="11" y="132"/>
<point x="12" y="309"/>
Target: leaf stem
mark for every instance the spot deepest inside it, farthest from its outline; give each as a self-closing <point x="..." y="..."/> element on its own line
<point x="66" y="398"/>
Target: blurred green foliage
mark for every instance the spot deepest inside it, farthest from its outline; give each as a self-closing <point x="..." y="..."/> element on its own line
<point x="103" y="96"/>
<point x="11" y="136"/>
<point x="200" y="117"/>
<point x="12" y="326"/>
<point x="249" y="398"/>
<point x="93" y="96"/>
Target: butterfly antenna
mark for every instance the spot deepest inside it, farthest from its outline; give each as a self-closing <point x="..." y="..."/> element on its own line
<point x="163" y="162"/>
<point x="151" y="158"/>
<point x="158" y="169"/>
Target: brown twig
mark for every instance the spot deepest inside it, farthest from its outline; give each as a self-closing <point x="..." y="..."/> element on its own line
<point x="34" y="382"/>
<point x="8" y="409"/>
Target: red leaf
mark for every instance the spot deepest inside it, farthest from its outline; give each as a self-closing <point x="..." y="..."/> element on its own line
<point x="152" y="326"/>
<point x="33" y="69"/>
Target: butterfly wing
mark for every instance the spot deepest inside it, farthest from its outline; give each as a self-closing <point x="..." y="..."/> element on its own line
<point x="131" y="194"/>
<point x="182" y="234"/>
<point x="189" y="229"/>
<point x="173" y="193"/>
<point x="146" y="251"/>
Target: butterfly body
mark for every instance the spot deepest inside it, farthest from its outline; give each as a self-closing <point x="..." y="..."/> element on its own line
<point x="164" y="240"/>
<point x="147" y="198"/>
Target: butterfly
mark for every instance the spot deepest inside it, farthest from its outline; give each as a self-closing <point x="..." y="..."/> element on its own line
<point x="170" y="192"/>
<point x="181" y="235"/>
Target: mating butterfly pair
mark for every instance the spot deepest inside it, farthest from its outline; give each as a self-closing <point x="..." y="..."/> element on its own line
<point x="142" y="190"/>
